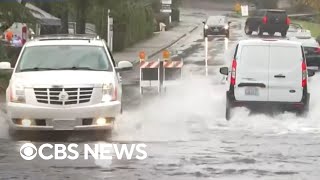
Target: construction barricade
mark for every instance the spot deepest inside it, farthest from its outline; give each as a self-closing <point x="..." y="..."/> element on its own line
<point x="150" y="75"/>
<point x="172" y="72"/>
<point x="159" y="73"/>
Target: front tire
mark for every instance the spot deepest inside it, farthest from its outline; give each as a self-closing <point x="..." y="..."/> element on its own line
<point x="103" y="134"/>
<point x="18" y="135"/>
<point x="227" y="34"/>
<point x="247" y="30"/>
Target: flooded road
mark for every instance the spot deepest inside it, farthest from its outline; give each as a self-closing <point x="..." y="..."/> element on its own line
<point x="186" y="134"/>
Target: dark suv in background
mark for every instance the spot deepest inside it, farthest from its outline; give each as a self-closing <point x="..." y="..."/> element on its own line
<point x="217" y="25"/>
<point x="268" y="20"/>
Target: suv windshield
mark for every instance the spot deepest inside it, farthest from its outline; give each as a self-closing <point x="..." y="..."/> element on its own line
<point x="44" y="58"/>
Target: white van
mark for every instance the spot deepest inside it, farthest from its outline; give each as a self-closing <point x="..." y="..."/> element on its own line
<point x="268" y="72"/>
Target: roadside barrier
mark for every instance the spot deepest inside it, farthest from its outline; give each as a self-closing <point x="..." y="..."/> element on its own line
<point x="150" y="75"/>
<point x="172" y="72"/>
<point x="160" y="73"/>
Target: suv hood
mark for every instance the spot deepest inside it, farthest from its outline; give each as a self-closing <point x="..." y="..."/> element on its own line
<point x="64" y="78"/>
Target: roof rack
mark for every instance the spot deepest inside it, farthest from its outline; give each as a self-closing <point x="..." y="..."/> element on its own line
<point x="66" y="37"/>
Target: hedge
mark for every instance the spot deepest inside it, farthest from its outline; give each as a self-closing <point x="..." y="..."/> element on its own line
<point x="132" y="23"/>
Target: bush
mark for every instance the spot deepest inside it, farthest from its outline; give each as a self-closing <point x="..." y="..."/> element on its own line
<point x="132" y="23"/>
<point x="4" y="77"/>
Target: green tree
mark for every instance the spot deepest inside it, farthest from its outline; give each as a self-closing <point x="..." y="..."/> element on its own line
<point x="11" y="12"/>
<point x="312" y="3"/>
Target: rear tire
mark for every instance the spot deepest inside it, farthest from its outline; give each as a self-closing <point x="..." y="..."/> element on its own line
<point x="260" y="31"/>
<point x="247" y="30"/>
<point x="228" y="109"/>
<point x="284" y="34"/>
<point x="305" y="110"/>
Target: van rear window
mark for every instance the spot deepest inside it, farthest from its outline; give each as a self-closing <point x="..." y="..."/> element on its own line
<point x="253" y="56"/>
<point x="279" y="14"/>
<point x="285" y="57"/>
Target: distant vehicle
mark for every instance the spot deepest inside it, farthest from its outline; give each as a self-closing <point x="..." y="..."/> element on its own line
<point x="64" y="83"/>
<point x="311" y="48"/>
<point x="298" y="30"/>
<point x="217" y="25"/>
<point x="268" y="72"/>
<point x="268" y="20"/>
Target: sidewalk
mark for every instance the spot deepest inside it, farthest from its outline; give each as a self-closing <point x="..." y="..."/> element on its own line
<point x="155" y="45"/>
<point x="159" y="42"/>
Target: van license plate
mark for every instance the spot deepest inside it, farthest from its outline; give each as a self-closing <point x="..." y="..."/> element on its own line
<point x="252" y="91"/>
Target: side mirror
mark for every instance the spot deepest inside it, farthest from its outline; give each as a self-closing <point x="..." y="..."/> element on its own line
<point x="203" y="22"/>
<point x="5" y="67"/>
<point x="224" y="71"/>
<point x="229" y="22"/>
<point x="124" y="66"/>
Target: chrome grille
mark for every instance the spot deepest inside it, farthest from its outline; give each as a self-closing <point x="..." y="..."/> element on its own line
<point x="53" y="95"/>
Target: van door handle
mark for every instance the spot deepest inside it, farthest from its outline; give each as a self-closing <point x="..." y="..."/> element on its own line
<point x="280" y="76"/>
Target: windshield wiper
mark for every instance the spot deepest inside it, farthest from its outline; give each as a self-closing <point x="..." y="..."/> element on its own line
<point x="37" y="69"/>
<point x="81" y="68"/>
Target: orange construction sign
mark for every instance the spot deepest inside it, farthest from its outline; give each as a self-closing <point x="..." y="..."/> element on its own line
<point x="166" y="55"/>
<point x="9" y="35"/>
<point x="142" y="56"/>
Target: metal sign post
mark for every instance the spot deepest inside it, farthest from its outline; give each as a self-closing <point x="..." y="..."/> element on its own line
<point x="110" y="31"/>
<point x="206" y="53"/>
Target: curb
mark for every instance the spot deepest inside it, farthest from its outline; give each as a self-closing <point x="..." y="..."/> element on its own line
<point x="135" y="82"/>
<point x="167" y="46"/>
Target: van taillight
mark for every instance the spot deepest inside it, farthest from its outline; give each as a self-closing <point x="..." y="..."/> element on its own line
<point x="317" y="50"/>
<point x="233" y="72"/>
<point x="264" y="19"/>
<point x="288" y="21"/>
<point x="304" y="74"/>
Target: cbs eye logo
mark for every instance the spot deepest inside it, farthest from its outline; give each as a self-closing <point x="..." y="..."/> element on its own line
<point x="28" y="151"/>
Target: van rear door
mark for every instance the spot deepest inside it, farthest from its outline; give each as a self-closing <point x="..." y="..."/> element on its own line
<point x="285" y="80"/>
<point x="252" y="72"/>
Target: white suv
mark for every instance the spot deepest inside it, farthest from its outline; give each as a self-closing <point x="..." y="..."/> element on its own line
<point x="268" y="72"/>
<point x="64" y="83"/>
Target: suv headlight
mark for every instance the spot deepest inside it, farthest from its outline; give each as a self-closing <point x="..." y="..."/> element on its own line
<point x="17" y="94"/>
<point x="206" y="26"/>
<point x="109" y="93"/>
<point x="226" y="26"/>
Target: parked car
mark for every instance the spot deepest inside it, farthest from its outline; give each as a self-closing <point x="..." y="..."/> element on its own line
<point x="217" y="25"/>
<point x="268" y="20"/>
<point x="64" y="83"/>
<point x="311" y="48"/>
<point x="268" y="73"/>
